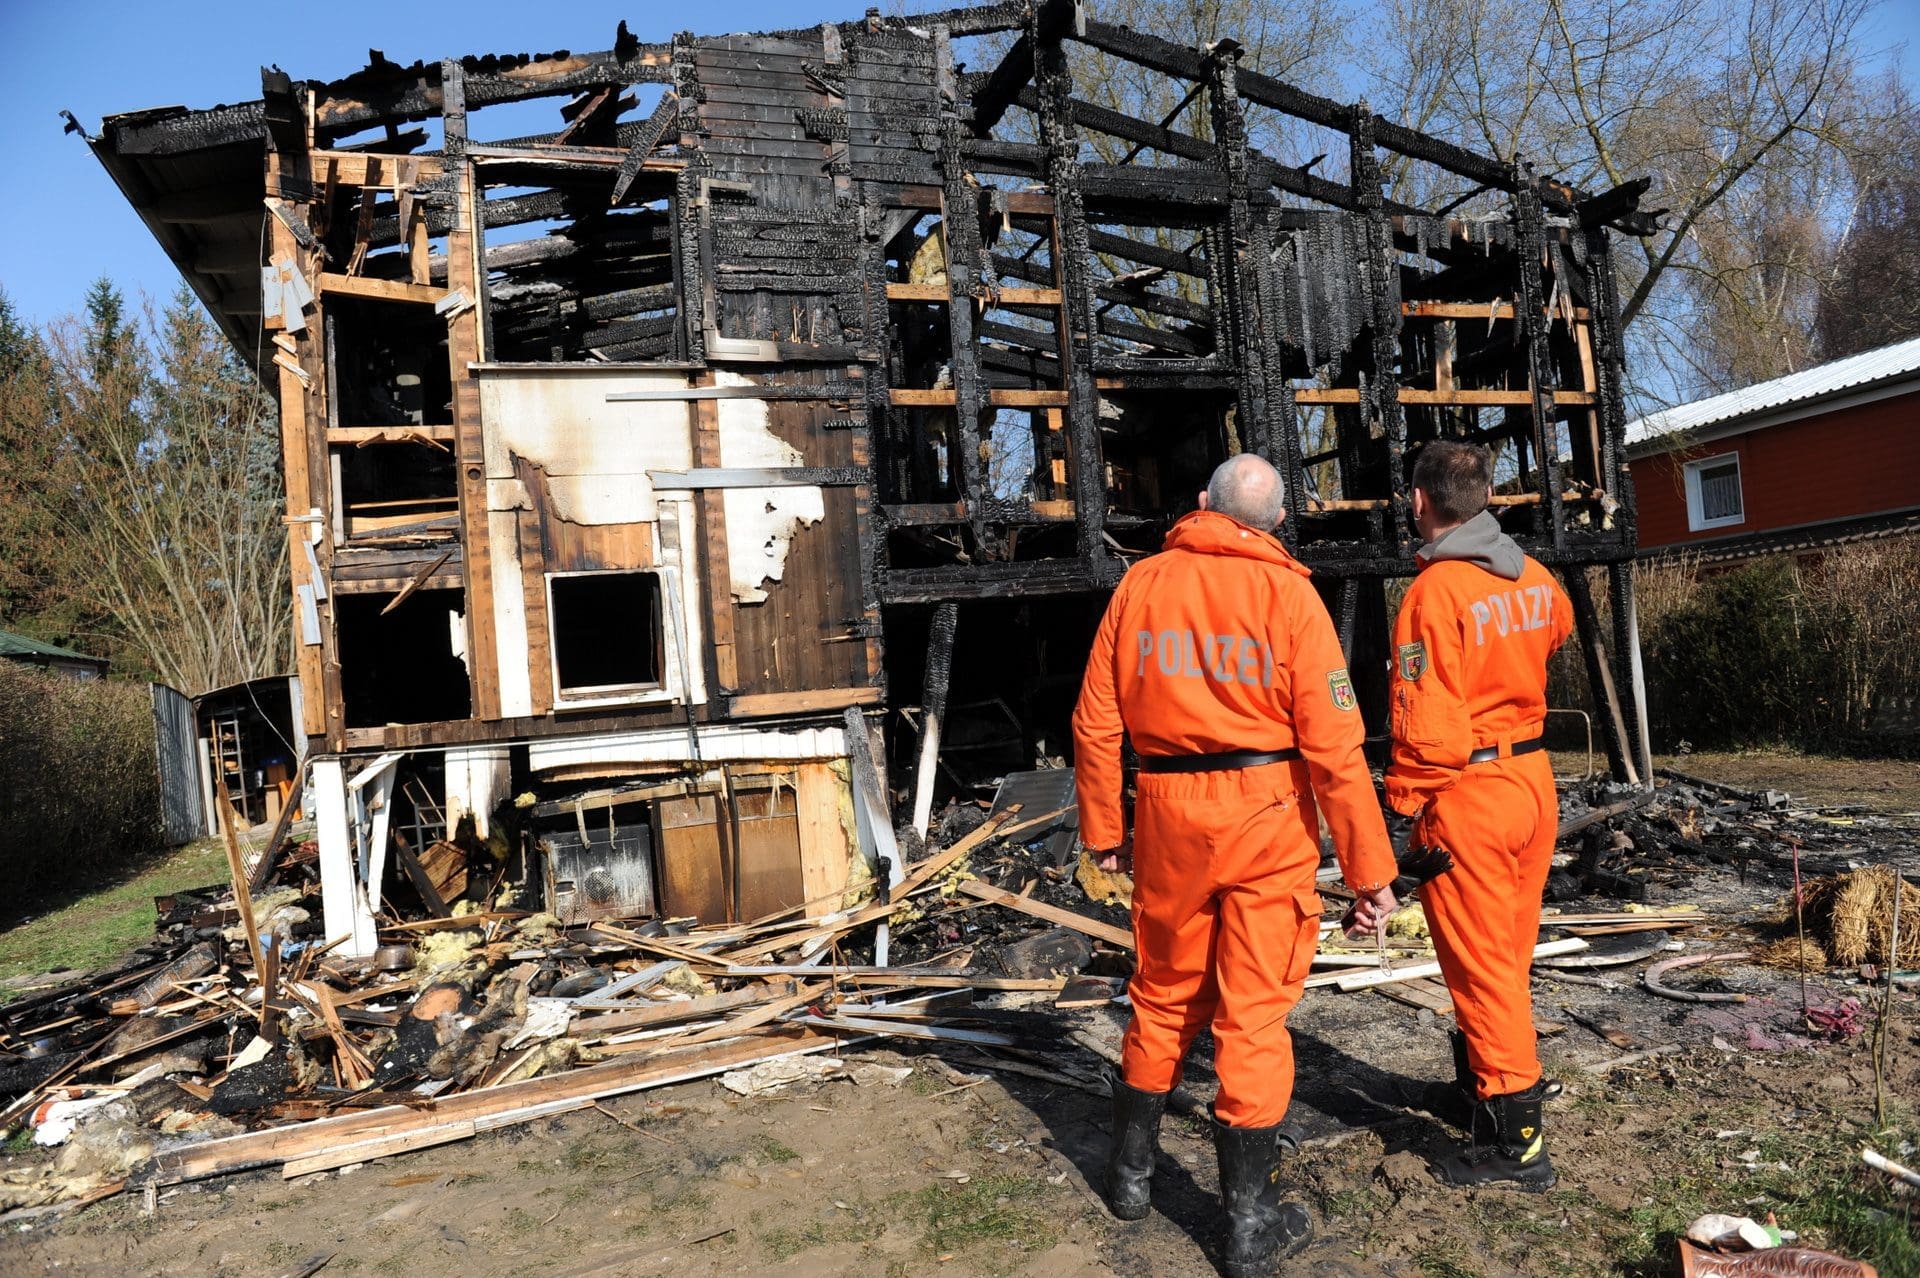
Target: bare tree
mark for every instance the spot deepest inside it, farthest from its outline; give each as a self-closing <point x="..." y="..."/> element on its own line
<point x="1872" y="294"/>
<point x="1739" y="112"/>
<point x="169" y="492"/>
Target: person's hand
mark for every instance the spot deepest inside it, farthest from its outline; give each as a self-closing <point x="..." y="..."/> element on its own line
<point x="1370" y="913"/>
<point x="1117" y="860"/>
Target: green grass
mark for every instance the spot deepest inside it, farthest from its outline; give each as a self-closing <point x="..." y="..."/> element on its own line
<point x="596" y="1153"/>
<point x="769" y="1150"/>
<point x="985" y="1209"/>
<point x="1449" y="1259"/>
<point x="1364" y="1201"/>
<point x="102" y="926"/>
<point x="838" y="1230"/>
<point x="1828" y="1196"/>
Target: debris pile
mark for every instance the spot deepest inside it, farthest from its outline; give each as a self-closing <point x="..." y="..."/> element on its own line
<point x="225" y="1045"/>
<point x="237" y="1039"/>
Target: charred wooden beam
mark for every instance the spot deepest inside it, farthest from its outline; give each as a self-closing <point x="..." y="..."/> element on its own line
<point x="1187" y="262"/>
<point x="1086" y="464"/>
<point x="1003" y="86"/>
<point x="385" y="92"/>
<point x="1142" y="299"/>
<point x="1620" y="208"/>
<point x="665" y="115"/>
<point x="1530" y="250"/>
<point x="1241" y="321"/>
<point x="1165" y="195"/>
<point x="286" y="119"/>
<point x="1179" y="341"/>
<point x="173" y="130"/>
<point x="629" y="301"/>
<point x="1190" y="64"/>
<point x="1031" y="339"/>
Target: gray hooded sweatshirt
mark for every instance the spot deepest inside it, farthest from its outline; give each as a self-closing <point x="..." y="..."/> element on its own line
<point x="1480" y="542"/>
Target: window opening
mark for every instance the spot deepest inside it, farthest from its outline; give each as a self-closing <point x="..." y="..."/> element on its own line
<point x="607" y="636"/>
<point x="403" y="666"/>
<point x="389" y="489"/>
<point x="390" y="365"/>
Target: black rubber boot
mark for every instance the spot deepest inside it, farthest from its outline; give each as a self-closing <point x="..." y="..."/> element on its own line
<point x="1260" y="1228"/>
<point x="1136" y="1140"/>
<point x="1453" y="1103"/>
<point x="1507" y="1146"/>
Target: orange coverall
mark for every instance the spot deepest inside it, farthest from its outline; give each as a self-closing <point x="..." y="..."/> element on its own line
<point x="1217" y="644"/>
<point x="1470" y="670"/>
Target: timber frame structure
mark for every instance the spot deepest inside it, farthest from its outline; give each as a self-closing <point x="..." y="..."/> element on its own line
<point x="613" y="452"/>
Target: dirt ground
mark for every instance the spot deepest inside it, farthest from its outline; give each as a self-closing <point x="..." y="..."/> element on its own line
<point x="963" y="1171"/>
<point x="1884" y="785"/>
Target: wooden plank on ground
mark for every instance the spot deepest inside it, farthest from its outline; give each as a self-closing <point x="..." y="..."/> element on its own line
<point x="1051" y="913"/>
<point x="486" y="1108"/>
<point x="378" y="1147"/>
<point x="1348" y="982"/>
<point x="691" y="1009"/>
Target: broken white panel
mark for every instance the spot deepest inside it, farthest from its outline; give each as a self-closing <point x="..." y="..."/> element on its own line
<point x="717" y="742"/>
<point x="512" y="652"/>
<point x="343" y="907"/>
<point x="457" y="635"/>
<point x="594" y="455"/>
<point x="377" y="801"/>
<point x="674" y="537"/>
<point x="761" y="522"/>
<point x="477" y="780"/>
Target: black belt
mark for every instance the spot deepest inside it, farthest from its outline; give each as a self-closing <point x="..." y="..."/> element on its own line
<point x="1487" y="754"/>
<point x="1226" y="761"/>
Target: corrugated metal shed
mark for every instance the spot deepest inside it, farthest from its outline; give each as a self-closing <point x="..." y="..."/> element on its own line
<point x="1808" y="386"/>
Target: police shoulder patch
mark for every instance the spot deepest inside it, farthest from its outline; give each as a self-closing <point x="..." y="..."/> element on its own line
<point x="1341" y="686"/>
<point x="1413" y="660"/>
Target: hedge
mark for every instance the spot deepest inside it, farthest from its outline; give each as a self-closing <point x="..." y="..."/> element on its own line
<point x="79" y="778"/>
<point x="1813" y="652"/>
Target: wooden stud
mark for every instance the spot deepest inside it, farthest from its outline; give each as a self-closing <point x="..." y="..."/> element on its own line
<point x="465" y="349"/>
<point x="715" y="570"/>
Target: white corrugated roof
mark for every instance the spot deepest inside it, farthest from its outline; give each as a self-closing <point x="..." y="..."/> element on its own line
<point x="1819" y="382"/>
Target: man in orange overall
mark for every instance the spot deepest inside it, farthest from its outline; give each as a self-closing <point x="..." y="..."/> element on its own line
<point x="1219" y="662"/>
<point x="1469" y="697"/>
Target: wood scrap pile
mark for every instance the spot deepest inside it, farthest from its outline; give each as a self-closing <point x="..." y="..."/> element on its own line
<point x="224" y="1049"/>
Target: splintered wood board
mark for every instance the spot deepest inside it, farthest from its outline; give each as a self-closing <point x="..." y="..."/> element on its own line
<point x="1051" y="913"/>
<point x="392" y="1127"/>
<point x="1432" y="995"/>
<point x="1425" y="992"/>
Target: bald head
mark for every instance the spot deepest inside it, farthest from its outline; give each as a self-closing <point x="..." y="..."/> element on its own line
<point x="1247" y="488"/>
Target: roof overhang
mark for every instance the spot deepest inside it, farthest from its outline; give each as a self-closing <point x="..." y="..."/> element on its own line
<point x="1907" y="383"/>
<point x="198" y="181"/>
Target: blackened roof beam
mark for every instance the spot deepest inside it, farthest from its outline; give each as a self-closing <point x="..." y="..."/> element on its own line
<point x="1191" y="64"/>
<point x="1056" y="20"/>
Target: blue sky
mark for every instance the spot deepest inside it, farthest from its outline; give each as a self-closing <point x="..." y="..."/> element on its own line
<point x="62" y="221"/>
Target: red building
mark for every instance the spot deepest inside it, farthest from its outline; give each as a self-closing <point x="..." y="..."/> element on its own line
<point x="1825" y="455"/>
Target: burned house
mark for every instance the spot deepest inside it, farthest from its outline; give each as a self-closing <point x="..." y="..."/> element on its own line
<point x="680" y="439"/>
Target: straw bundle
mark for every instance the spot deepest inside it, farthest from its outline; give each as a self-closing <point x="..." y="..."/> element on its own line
<point x="1849" y="921"/>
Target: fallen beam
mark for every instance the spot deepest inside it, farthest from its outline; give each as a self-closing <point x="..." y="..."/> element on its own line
<point x="368" y="1133"/>
<point x="1051" y="913"/>
<point x="1414" y="971"/>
